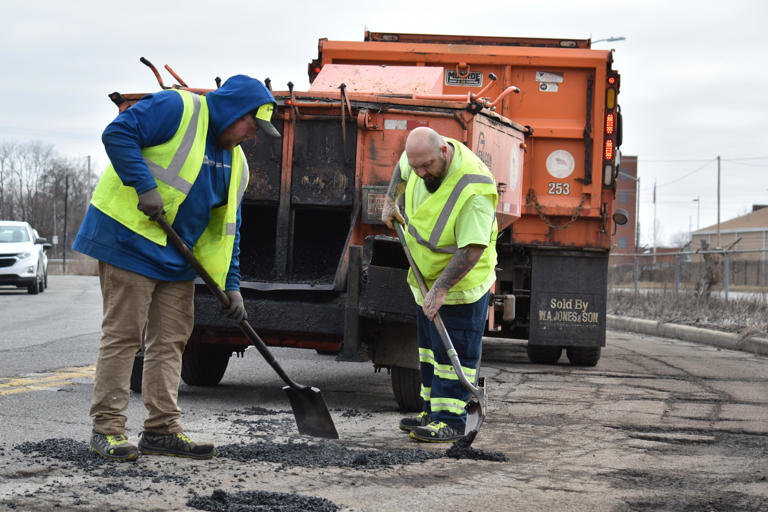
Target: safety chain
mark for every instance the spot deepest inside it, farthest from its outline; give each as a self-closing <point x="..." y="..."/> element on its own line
<point x="531" y="198"/>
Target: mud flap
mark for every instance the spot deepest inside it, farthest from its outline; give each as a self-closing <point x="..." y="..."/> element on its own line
<point x="568" y="298"/>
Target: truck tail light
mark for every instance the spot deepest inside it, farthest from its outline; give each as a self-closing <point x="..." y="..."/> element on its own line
<point x="608" y="153"/>
<point x="610" y="124"/>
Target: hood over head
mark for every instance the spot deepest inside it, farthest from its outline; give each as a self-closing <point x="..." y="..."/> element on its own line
<point x="237" y="96"/>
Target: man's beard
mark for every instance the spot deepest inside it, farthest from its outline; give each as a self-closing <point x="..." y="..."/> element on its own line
<point x="434" y="182"/>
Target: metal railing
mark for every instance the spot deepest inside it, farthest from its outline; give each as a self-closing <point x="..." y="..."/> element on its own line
<point x="703" y="271"/>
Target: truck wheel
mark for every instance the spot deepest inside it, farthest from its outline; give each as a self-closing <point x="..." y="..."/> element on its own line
<point x="138" y="371"/>
<point x="204" y="364"/>
<point x="544" y="354"/>
<point x="406" y="386"/>
<point x="583" y="356"/>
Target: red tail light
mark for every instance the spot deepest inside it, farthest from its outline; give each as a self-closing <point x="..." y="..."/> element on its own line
<point x="608" y="153"/>
<point x="609" y="124"/>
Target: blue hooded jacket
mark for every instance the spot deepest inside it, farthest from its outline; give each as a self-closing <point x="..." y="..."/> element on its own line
<point x="152" y="121"/>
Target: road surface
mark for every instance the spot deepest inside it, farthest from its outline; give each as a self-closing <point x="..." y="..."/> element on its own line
<point x="658" y="425"/>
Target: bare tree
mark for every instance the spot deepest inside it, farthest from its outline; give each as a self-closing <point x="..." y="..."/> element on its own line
<point x="680" y="239"/>
<point x="39" y="186"/>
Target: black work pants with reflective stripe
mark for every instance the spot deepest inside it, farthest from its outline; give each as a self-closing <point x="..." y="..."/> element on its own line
<point x="441" y="390"/>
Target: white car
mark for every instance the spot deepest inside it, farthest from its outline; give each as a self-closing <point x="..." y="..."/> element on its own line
<point x="23" y="262"/>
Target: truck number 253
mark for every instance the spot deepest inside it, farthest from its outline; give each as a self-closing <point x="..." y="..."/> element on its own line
<point x="560" y="189"/>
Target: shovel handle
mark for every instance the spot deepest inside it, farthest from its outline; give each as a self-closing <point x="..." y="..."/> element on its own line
<point x="442" y="331"/>
<point x="222" y="297"/>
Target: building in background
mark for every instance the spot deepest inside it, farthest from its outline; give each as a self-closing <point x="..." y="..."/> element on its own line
<point x="748" y="232"/>
<point x="625" y="240"/>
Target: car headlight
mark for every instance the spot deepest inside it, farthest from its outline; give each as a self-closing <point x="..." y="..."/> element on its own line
<point x="23" y="255"/>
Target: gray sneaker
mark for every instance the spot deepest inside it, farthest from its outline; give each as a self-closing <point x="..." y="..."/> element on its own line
<point x="408" y="424"/>
<point x="436" y="432"/>
<point x="175" y="445"/>
<point x="113" y="447"/>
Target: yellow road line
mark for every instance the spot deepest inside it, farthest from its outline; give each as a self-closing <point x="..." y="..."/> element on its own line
<point x="46" y="381"/>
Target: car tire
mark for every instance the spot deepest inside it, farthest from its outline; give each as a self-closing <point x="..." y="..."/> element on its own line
<point x="45" y="279"/>
<point x="34" y="288"/>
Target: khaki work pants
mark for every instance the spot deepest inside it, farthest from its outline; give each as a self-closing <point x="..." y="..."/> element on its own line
<point x="130" y="301"/>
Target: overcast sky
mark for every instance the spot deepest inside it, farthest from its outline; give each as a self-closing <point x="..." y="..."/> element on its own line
<point x="694" y="75"/>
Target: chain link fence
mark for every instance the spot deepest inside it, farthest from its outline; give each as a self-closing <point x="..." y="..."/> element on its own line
<point x="703" y="272"/>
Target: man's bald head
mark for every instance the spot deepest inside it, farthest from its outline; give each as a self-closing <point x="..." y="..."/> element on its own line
<point x="423" y="140"/>
<point x="428" y="155"/>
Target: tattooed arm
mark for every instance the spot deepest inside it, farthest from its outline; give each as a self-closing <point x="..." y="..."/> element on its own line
<point x="390" y="210"/>
<point x="462" y="262"/>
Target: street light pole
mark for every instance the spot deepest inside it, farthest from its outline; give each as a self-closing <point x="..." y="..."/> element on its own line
<point x="609" y="39"/>
<point x="698" y="211"/>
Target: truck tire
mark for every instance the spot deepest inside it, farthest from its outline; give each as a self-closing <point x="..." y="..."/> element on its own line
<point x="204" y="364"/>
<point x="138" y="371"/>
<point x="544" y="354"/>
<point x="406" y="386"/>
<point x="583" y="356"/>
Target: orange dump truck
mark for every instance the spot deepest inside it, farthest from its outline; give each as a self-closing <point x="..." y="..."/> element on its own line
<point x="320" y="270"/>
<point x="553" y="260"/>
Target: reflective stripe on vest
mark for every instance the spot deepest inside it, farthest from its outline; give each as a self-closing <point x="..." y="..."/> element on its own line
<point x="232" y="226"/>
<point x="431" y="234"/>
<point x="171" y="174"/>
<point x="445" y="214"/>
<point x="184" y="154"/>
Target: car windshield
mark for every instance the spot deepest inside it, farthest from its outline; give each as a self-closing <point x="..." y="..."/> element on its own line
<point x="12" y="234"/>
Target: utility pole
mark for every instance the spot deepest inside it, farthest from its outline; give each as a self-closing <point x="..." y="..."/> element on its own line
<point x="90" y="188"/>
<point x="718" y="201"/>
<point x="654" y="222"/>
<point x="64" y="247"/>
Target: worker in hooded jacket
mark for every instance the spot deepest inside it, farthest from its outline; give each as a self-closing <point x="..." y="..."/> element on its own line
<point x="450" y="202"/>
<point x="177" y="154"/>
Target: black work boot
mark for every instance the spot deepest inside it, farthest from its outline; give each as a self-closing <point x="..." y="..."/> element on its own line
<point x="408" y="424"/>
<point x="113" y="447"/>
<point x="175" y="445"/>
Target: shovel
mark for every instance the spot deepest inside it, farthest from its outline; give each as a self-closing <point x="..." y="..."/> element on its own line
<point x="475" y="408"/>
<point x="312" y="416"/>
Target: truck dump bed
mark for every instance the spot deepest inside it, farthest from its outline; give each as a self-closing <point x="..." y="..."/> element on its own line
<point x="317" y="193"/>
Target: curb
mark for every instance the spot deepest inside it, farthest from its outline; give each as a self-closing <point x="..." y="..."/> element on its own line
<point x="752" y="344"/>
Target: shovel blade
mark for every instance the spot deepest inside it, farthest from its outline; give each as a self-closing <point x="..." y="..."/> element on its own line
<point x="312" y="416"/>
<point x="476" y="409"/>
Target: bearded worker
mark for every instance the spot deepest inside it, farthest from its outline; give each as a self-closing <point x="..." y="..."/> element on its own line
<point x="450" y="202"/>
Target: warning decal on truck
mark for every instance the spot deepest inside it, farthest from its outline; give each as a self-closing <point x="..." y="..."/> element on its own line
<point x="548" y="81"/>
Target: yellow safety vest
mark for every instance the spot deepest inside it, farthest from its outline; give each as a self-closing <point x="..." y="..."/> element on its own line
<point x="175" y="165"/>
<point x="430" y="231"/>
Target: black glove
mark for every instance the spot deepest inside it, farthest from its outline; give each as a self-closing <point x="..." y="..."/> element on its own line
<point x="151" y="204"/>
<point x="236" y="309"/>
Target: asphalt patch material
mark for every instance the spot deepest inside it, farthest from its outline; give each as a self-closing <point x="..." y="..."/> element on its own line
<point x="294" y="454"/>
<point x="253" y="501"/>
<point x="79" y="454"/>
<point x="462" y="449"/>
